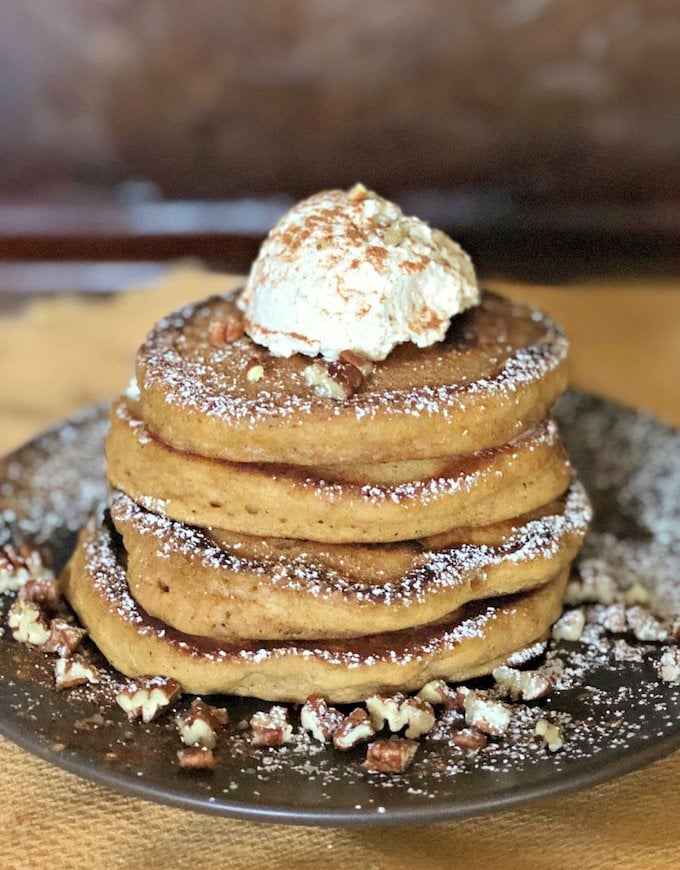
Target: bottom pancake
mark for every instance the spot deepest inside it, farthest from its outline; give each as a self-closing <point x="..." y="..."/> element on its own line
<point x="470" y="643"/>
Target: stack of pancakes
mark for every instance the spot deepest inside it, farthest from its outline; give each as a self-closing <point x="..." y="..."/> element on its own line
<point x="265" y="540"/>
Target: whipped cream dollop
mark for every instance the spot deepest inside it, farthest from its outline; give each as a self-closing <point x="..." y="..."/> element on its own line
<point x="347" y="270"/>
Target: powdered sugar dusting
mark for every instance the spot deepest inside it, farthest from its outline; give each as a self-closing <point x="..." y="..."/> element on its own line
<point x="38" y="499"/>
<point x="459" y="474"/>
<point x="103" y="564"/>
<point x="541" y="538"/>
<point x="209" y="381"/>
<point x="427" y="490"/>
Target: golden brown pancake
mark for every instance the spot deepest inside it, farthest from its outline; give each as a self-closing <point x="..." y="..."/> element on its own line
<point x="395" y="501"/>
<point x="472" y="642"/>
<point x="228" y="587"/>
<point x="496" y="374"/>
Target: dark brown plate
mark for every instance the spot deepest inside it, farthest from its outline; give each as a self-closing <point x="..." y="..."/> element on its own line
<point x="616" y="715"/>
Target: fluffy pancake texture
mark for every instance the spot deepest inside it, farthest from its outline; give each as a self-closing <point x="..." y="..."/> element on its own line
<point x="377" y="503"/>
<point x="228" y="587"/>
<point x="472" y="642"/>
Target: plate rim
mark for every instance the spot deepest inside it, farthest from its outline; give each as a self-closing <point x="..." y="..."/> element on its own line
<point x="127" y="785"/>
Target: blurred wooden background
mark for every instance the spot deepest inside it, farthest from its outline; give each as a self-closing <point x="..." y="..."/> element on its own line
<point x="545" y="134"/>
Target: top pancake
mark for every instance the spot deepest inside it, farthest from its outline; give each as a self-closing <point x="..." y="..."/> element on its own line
<point x="497" y="372"/>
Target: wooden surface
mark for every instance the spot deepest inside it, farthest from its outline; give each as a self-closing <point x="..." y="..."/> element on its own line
<point x="625" y="339"/>
<point x="61" y="353"/>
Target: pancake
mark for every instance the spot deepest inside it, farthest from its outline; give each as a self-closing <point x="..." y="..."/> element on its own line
<point x="497" y="372"/>
<point x="226" y="587"/>
<point x="472" y="642"/>
<point x="395" y="501"/>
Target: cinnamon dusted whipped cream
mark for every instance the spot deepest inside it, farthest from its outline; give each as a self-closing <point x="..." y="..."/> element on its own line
<point x="349" y="271"/>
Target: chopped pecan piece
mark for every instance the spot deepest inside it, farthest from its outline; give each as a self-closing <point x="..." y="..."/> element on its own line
<point x="316" y="376"/>
<point x="19" y="564"/>
<point x="223" y="332"/>
<point x="254" y="371"/>
<point x="491" y="717"/>
<point x="347" y="375"/>
<point x="336" y="380"/>
<point x="390" y="756"/>
<point x="551" y="734"/>
<point x="611" y="617"/>
<point x="28" y="623"/>
<point x="271" y="728"/>
<point x="469" y="739"/>
<point x="644" y="625"/>
<point x="319" y="719"/>
<point x="43" y="591"/>
<point x="624" y="652"/>
<point x="352" y="358"/>
<point x="570" y="625"/>
<point x="146" y="698"/>
<point x="522" y="656"/>
<point x="669" y="666"/>
<point x="398" y="711"/>
<point x="438" y="692"/>
<point x="217" y="333"/>
<point x="355" y="728"/>
<point x="69" y="673"/>
<point x="387" y="709"/>
<point x="196" y="758"/>
<point x="201" y="724"/>
<point x="522" y="685"/>
<point x="64" y="638"/>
